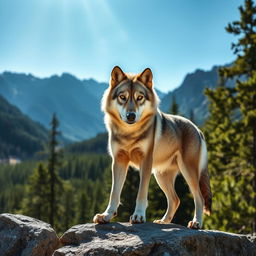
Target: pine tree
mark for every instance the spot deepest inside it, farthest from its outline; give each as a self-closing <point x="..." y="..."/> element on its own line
<point x="219" y="132"/>
<point x="36" y="203"/>
<point x="232" y="126"/>
<point x="174" y="109"/>
<point x="67" y="206"/>
<point x="245" y="68"/>
<point x="53" y="163"/>
<point x="82" y="207"/>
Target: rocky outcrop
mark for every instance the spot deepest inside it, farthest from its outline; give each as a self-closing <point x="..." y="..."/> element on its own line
<point x="24" y="236"/>
<point x="151" y="239"/>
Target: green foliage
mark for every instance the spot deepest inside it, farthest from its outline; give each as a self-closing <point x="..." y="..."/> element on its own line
<point x="55" y="183"/>
<point x="45" y="190"/>
<point x="86" y="179"/>
<point x="36" y="202"/>
<point x="231" y="133"/>
<point x="86" y="183"/>
<point x="12" y="182"/>
<point x="174" y="109"/>
<point x="67" y="207"/>
<point x="19" y="135"/>
<point x="97" y="145"/>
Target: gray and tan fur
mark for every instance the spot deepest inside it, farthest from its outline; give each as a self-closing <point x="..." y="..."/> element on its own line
<point x="142" y="136"/>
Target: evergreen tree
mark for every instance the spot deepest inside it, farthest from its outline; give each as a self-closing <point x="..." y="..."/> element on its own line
<point x="219" y="132"/>
<point x="174" y="109"/>
<point x="67" y="207"/>
<point x="232" y="131"/>
<point x="245" y="92"/>
<point x="36" y="203"/>
<point x="53" y="163"/>
<point x="82" y="207"/>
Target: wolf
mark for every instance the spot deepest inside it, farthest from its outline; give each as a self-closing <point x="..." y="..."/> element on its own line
<point x="142" y="136"/>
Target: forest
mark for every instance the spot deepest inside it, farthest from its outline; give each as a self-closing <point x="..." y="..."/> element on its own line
<point x="20" y="136"/>
<point x="65" y="186"/>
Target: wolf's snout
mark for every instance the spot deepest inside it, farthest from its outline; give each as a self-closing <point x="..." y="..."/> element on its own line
<point x="131" y="117"/>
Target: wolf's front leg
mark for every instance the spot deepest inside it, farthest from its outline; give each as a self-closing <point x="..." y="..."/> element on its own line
<point x="119" y="170"/>
<point x="139" y="215"/>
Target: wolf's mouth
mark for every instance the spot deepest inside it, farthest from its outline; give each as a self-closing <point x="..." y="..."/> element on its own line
<point x="130" y="122"/>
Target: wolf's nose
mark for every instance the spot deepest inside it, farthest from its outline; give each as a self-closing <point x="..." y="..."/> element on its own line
<point x="131" y="116"/>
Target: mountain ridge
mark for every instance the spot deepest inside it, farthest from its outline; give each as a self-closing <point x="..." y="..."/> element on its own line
<point x="39" y="98"/>
<point x="190" y="94"/>
<point x="77" y="101"/>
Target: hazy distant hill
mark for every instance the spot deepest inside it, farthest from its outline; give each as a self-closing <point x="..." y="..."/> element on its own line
<point x="190" y="94"/>
<point x="76" y="102"/>
<point x="19" y="135"/>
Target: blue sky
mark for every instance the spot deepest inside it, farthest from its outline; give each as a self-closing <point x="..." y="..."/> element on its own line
<point x="88" y="37"/>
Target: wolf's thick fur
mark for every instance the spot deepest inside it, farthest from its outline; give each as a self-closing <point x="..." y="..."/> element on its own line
<point x="142" y="136"/>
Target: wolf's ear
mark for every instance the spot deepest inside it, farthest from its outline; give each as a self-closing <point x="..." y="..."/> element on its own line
<point x="117" y="76"/>
<point x="146" y="77"/>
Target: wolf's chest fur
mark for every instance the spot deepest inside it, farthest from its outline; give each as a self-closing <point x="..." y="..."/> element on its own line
<point x="132" y="145"/>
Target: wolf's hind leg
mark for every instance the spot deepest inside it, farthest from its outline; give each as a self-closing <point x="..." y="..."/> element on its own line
<point x="166" y="182"/>
<point x="192" y="175"/>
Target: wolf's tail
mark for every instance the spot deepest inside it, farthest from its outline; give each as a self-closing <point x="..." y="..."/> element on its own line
<point x="204" y="184"/>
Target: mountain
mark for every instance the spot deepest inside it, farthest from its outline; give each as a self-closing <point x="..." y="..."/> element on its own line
<point x="19" y="135"/>
<point x="190" y="94"/>
<point x="76" y="102"/>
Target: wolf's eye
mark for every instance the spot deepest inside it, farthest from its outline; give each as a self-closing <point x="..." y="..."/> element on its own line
<point x="122" y="97"/>
<point x="140" y="97"/>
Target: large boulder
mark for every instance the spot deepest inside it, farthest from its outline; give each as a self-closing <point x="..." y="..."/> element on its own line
<point x="24" y="236"/>
<point x="151" y="239"/>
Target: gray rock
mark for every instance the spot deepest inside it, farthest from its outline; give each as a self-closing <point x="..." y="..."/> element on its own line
<point x="24" y="236"/>
<point x="151" y="239"/>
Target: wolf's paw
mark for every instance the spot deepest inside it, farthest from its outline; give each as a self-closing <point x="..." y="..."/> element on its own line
<point x="161" y="221"/>
<point x="137" y="218"/>
<point x="101" y="218"/>
<point x="194" y="225"/>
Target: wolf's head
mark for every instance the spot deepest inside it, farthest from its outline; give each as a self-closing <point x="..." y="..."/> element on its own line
<point x="130" y="98"/>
